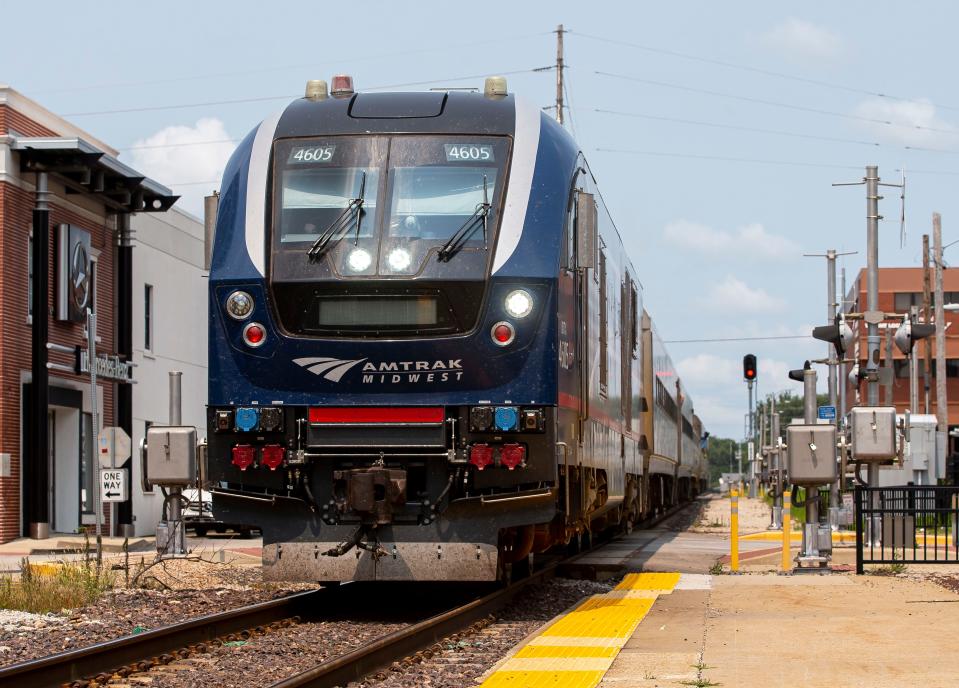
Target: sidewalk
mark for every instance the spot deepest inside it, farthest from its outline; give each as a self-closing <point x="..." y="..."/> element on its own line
<point x="769" y="631"/>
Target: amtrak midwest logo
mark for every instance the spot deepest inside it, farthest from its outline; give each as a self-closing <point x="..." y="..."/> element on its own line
<point x="384" y="372"/>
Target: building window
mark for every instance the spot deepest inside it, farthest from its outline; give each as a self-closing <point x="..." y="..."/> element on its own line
<point x="148" y="317"/>
<point x="87" y="465"/>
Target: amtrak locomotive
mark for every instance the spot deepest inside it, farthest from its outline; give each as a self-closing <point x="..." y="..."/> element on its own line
<point x="429" y="357"/>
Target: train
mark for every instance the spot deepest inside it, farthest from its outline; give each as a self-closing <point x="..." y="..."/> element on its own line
<point x="429" y="356"/>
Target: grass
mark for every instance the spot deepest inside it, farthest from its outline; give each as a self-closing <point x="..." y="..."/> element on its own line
<point x="52" y="589"/>
<point x="716" y="569"/>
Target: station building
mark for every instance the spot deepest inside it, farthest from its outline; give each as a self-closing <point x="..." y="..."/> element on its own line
<point x="81" y="230"/>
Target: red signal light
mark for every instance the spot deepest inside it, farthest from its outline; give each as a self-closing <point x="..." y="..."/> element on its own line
<point x="749" y="367"/>
<point x="254" y="334"/>
<point x="503" y="333"/>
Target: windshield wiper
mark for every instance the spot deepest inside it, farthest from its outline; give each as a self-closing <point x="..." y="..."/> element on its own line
<point x="353" y="212"/>
<point x="459" y="237"/>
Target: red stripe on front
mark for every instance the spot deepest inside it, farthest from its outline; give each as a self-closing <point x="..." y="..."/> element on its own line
<point x="377" y="414"/>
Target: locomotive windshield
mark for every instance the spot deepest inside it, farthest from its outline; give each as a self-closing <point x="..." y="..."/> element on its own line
<point x="384" y="233"/>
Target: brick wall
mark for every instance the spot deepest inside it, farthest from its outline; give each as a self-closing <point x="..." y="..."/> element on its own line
<point x="16" y="206"/>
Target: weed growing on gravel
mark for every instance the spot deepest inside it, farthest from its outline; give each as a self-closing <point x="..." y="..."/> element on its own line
<point x="716" y="569"/>
<point x="52" y="588"/>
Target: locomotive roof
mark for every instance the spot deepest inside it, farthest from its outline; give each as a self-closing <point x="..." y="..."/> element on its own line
<point x="435" y="112"/>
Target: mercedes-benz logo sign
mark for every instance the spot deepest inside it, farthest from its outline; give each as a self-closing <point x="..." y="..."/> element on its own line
<point x="80" y="276"/>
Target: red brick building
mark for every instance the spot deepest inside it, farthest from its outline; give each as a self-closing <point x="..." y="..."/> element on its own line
<point x="47" y="448"/>
<point x="899" y="289"/>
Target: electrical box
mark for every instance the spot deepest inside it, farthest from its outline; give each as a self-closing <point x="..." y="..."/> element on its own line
<point x="811" y="454"/>
<point x="5" y="470"/>
<point x="171" y="456"/>
<point x="921" y="448"/>
<point x="873" y="433"/>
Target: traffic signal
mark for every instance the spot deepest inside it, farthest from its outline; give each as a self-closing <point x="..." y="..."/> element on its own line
<point x="749" y="367"/>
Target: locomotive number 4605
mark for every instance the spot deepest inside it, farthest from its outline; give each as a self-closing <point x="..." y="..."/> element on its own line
<point x="312" y="154"/>
<point x="468" y="152"/>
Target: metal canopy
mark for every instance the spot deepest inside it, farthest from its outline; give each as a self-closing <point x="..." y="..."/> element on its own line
<point x="86" y="169"/>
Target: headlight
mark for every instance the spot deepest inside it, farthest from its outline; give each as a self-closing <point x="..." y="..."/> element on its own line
<point x="519" y="303"/>
<point x="239" y="305"/>
<point x="359" y="259"/>
<point x="399" y="259"/>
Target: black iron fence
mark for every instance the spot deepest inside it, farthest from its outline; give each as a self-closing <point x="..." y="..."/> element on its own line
<point x="912" y="524"/>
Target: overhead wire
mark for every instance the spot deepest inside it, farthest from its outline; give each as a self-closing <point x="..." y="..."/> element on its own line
<point x="235" y="101"/>
<point x="773" y="103"/>
<point x="756" y="70"/>
<point x="696" y="156"/>
<point x="735" y="339"/>
<point x="326" y="63"/>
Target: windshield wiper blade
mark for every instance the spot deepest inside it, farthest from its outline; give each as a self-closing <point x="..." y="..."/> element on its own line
<point x="460" y="236"/>
<point x="353" y="212"/>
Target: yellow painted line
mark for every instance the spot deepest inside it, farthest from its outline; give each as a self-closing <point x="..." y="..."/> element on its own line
<point x="530" y="651"/>
<point x="544" y="679"/>
<point x="649" y="581"/>
<point x="558" y="665"/>
<point x="576" y="650"/>
<point x="577" y="641"/>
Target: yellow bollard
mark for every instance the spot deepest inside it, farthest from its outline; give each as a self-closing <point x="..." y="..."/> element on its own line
<point x="734" y="531"/>
<point x="787" y="510"/>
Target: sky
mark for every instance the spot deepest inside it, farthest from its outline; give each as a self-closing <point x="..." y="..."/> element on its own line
<point x="715" y="130"/>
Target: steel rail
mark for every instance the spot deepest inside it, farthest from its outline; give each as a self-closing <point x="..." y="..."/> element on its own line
<point x="383" y="651"/>
<point x="111" y="655"/>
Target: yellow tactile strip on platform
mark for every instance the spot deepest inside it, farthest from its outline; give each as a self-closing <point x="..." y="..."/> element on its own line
<point x="576" y="650"/>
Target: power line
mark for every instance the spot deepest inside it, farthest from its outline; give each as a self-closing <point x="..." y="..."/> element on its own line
<point x="735" y="339"/>
<point x="276" y="68"/>
<point x="773" y="103"/>
<point x="735" y="127"/>
<point x="185" y="144"/>
<point x="793" y="163"/>
<point x="183" y="106"/>
<point x="756" y="70"/>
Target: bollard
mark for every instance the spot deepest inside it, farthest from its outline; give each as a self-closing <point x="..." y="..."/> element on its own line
<point x="787" y="512"/>
<point x="734" y="531"/>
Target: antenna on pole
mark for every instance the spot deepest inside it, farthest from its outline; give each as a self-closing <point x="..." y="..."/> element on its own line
<point x="559" y="73"/>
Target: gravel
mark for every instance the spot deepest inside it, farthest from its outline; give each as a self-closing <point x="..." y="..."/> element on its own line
<point x="187" y="589"/>
<point x="461" y="659"/>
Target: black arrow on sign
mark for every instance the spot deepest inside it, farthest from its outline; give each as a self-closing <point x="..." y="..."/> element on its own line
<point x="112" y="494"/>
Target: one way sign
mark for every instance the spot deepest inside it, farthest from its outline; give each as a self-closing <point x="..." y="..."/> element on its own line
<point x="113" y="484"/>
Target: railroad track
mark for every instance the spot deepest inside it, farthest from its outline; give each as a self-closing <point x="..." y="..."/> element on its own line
<point x="139" y="652"/>
<point x="130" y="654"/>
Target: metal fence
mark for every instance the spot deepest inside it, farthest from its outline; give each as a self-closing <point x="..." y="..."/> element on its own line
<point x="912" y="524"/>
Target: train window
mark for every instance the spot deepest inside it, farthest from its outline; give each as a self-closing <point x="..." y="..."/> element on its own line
<point x="313" y="199"/>
<point x="603" y="327"/>
<point x="441" y="190"/>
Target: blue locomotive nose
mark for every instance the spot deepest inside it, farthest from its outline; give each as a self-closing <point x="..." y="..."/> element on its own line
<point x="506" y="418"/>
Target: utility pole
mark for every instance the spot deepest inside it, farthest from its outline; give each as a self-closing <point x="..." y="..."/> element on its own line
<point x="913" y="368"/>
<point x="926" y="319"/>
<point x="843" y="382"/>
<point x="942" y="406"/>
<point x="560" y="66"/>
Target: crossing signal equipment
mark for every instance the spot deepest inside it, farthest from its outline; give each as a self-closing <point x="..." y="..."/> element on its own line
<point x="749" y="367"/>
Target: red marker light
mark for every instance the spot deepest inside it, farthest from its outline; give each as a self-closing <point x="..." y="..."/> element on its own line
<point x="243" y="456"/>
<point x="254" y="334"/>
<point x="273" y="455"/>
<point x="342" y="85"/>
<point x="502" y="333"/>
<point x="512" y="455"/>
<point x="481" y="456"/>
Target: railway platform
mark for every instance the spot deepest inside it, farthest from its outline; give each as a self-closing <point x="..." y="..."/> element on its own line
<point x="669" y="623"/>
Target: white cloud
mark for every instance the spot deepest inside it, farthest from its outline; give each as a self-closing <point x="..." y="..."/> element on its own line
<point x="733" y="296"/>
<point x="707" y="369"/>
<point x="753" y="237"/>
<point x="907" y="116"/>
<point x="165" y="157"/>
<point x="800" y="39"/>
